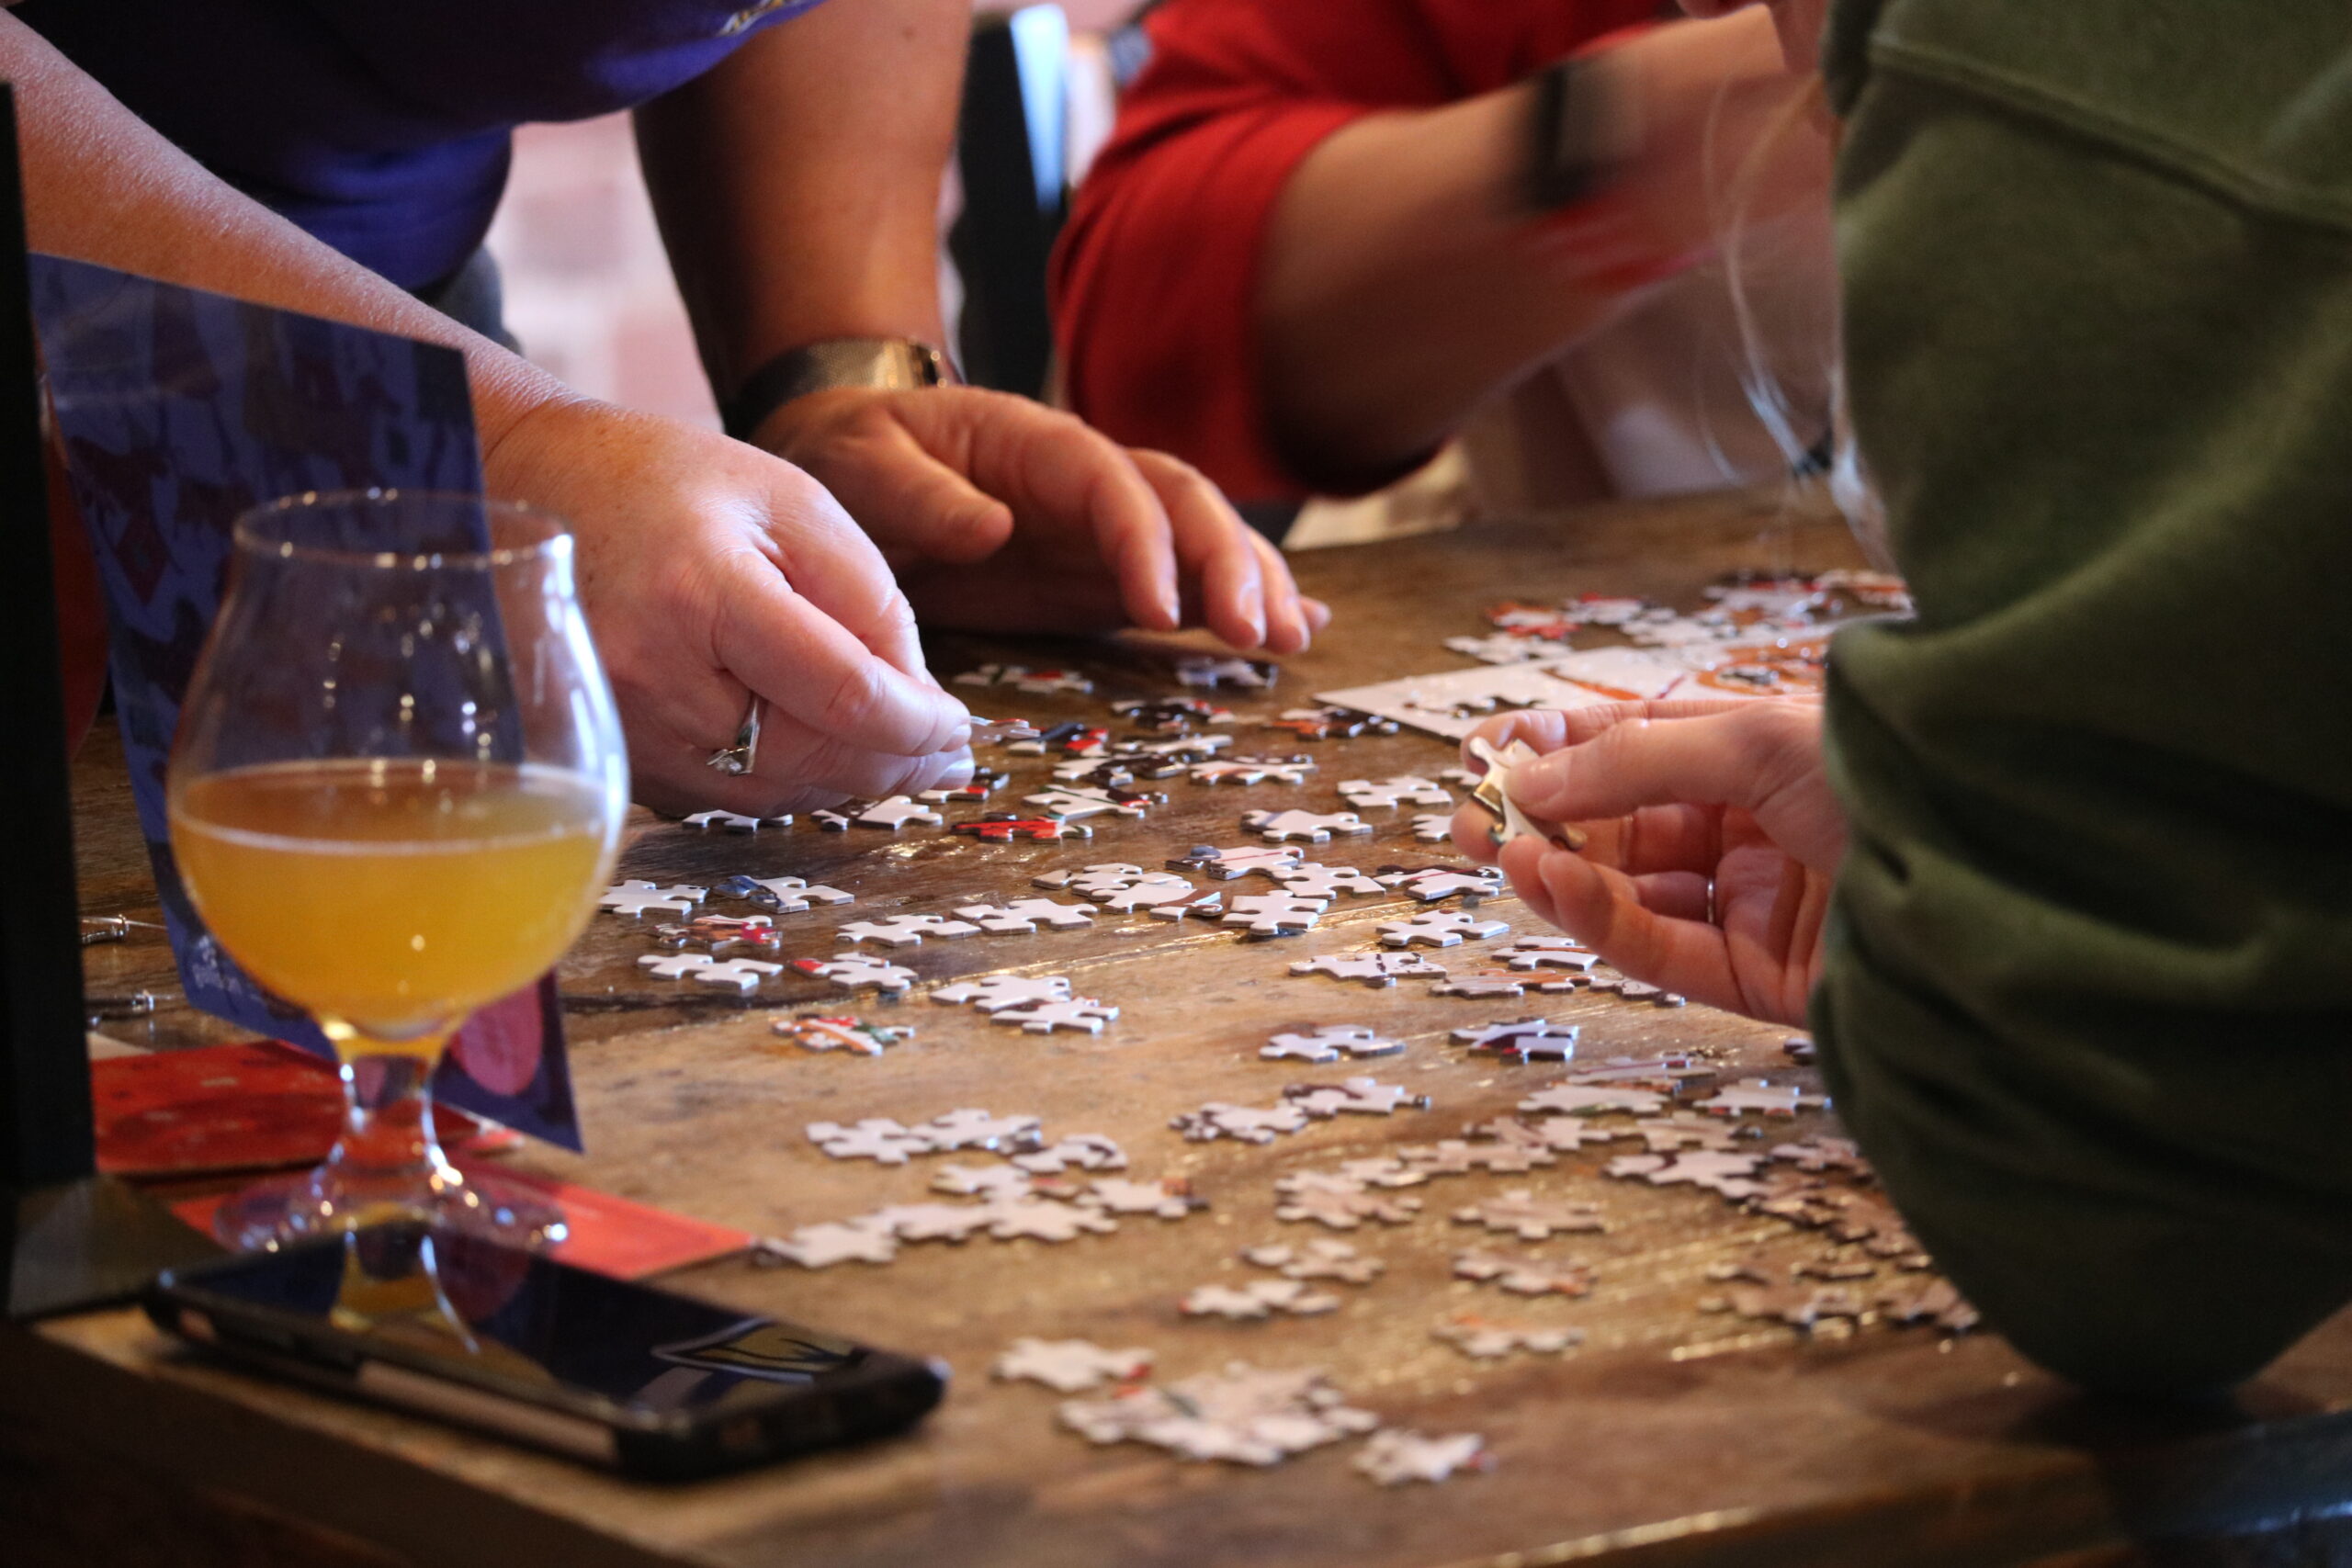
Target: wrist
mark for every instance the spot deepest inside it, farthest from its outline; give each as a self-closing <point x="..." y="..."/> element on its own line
<point x="869" y="364"/>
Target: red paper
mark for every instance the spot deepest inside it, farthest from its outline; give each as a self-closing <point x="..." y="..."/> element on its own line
<point x="254" y="1105"/>
<point x="609" y="1234"/>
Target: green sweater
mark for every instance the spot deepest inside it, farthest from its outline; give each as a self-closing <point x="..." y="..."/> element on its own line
<point x="2088" y="993"/>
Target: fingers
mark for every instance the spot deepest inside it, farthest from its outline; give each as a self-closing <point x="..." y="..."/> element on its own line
<point x="813" y="671"/>
<point x="1605" y="911"/>
<point x="1548" y="729"/>
<point x="1739" y="758"/>
<point x="903" y="492"/>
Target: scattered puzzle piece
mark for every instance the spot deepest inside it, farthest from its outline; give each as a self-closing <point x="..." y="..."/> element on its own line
<point x="1683" y="1130"/>
<point x="1328" y="723"/>
<point x="1170" y="1198"/>
<point x="822" y="1246"/>
<point x="1434" y="883"/>
<point x="931" y="1221"/>
<point x="858" y="972"/>
<point x="1403" y="790"/>
<point x="1070" y="1366"/>
<point x="1524" y="1276"/>
<point x="897" y="812"/>
<point x="1068" y="803"/>
<point x="1372" y="968"/>
<point x="1522" y="1040"/>
<point x="1329" y="1043"/>
<point x="1444" y="927"/>
<point x="877" y="1138"/>
<point x="1276" y="914"/>
<point x="1455" y="1157"/>
<point x="1023" y="679"/>
<point x="1081" y="1151"/>
<point x="1433" y="827"/>
<point x="1586" y="1099"/>
<point x="991" y="992"/>
<point x="634" y="898"/>
<point x="1224" y="865"/>
<point x="1755" y="1097"/>
<point x="1547" y="952"/>
<point x="1394" y="1456"/>
<point x="1360" y="1097"/>
<point x="1016" y="1218"/>
<point x="784" y="894"/>
<point x="816" y="1032"/>
<point x="1043" y="1018"/>
<point x="1214" y="670"/>
<point x="1521" y="1212"/>
<point x="1320" y="1258"/>
<point x="990" y="1182"/>
<point x="1253" y="769"/>
<point x="969" y="1129"/>
<point x="904" y="931"/>
<point x="1731" y="1175"/>
<point x="1309" y="826"/>
<point x="1341" y="1209"/>
<point x="1482" y="988"/>
<point x="1482" y="1340"/>
<point x="1168" y="716"/>
<point x="1247" y="1123"/>
<point x="743" y="973"/>
<point x="1326" y="882"/>
<point x="733" y="822"/>
<point x="1256" y="1301"/>
<point x="1669" y="1074"/>
<point x="1005" y="827"/>
<point x="1209" y="906"/>
<point x="1241" y="1416"/>
<point x="1023" y="916"/>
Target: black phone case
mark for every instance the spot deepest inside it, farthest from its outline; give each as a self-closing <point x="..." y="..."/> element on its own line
<point x="883" y="1394"/>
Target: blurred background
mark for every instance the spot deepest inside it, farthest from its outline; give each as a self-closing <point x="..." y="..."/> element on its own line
<point x="589" y="294"/>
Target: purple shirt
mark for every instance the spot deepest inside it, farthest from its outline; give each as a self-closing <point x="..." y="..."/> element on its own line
<point x="382" y="126"/>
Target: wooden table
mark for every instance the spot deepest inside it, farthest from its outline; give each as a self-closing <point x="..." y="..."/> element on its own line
<point x="1674" y="1437"/>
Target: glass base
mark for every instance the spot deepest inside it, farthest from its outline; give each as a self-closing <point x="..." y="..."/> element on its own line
<point x="326" y="1202"/>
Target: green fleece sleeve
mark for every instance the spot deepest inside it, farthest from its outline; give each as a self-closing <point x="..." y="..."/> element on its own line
<point x="2088" y="995"/>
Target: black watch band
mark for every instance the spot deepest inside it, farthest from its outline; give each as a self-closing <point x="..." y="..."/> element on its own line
<point x="1580" y="130"/>
<point x="886" y="362"/>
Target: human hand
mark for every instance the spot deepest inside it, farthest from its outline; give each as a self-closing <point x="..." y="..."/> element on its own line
<point x="1710" y="840"/>
<point x="711" y="571"/>
<point x="999" y="513"/>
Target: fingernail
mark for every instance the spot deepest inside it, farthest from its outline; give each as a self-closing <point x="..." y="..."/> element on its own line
<point x="1172" y="608"/>
<point x="958" y="773"/>
<point x="1538" y="784"/>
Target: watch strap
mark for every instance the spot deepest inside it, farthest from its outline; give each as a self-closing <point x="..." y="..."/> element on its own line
<point x="888" y="363"/>
<point x="1580" y="129"/>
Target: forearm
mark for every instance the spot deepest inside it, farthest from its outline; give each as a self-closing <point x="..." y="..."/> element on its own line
<point x="797" y="185"/>
<point x="1403" y="281"/>
<point x="101" y="185"/>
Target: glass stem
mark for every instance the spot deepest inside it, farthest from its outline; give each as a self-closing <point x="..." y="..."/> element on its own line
<point x="388" y="1134"/>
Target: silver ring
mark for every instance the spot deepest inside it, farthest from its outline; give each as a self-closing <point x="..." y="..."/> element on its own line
<point x="744" y="755"/>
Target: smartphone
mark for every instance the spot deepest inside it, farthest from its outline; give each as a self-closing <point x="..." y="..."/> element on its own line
<point x="644" y="1381"/>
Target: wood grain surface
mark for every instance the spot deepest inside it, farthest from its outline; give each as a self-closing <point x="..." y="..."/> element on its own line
<point x="1674" y="1437"/>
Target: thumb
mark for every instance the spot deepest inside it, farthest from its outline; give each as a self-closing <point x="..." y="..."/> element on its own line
<point x="909" y="497"/>
<point x="1735" y="758"/>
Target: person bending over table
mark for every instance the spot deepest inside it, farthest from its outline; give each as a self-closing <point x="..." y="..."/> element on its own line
<point x="1324" y="237"/>
<point x="2061" y="872"/>
<point x="344" y="160"/>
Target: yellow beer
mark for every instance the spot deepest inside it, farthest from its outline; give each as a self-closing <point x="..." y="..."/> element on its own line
<point x="393" y="897"/>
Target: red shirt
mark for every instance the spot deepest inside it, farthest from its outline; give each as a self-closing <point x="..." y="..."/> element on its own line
<point x="1155" y="278"/>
